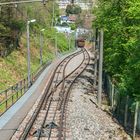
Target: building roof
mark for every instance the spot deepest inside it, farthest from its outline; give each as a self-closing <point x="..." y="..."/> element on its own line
<point x="72" y="18"/>
<point x="64" y="18"/>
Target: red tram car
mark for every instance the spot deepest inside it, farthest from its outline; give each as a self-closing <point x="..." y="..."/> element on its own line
<point x="80" y="42"/>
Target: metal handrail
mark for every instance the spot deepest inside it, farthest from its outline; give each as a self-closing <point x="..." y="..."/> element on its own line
<point x="13" y="93"/>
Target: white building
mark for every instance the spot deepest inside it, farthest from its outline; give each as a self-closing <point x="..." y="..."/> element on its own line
<point x="63" y="29"/>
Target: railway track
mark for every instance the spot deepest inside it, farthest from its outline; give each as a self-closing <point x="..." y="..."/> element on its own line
<point x="49" y="119"/>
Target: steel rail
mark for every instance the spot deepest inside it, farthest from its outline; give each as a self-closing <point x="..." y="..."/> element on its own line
<point x="71" y="73"/>
<point x="66" y="64"/>
<point x="63" y="104"/>
<point x="52" y="93"/>
<point x="65" y="78"/>
<point x="54" y="88"/>
<point x="63" y="86"/>
<point x="56" y="85"/>
<point x="65" y="101"/>
<point x="55" y="111"/>
<point x="62" y="80"/>
<point x="31" y="122"/>
<point x="44" y="120"/>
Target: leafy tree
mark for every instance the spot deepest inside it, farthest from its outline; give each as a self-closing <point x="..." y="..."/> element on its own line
<point x="13" y="21"/>
<point x="73" y="9"/>
<point x="73" y="26"/>
<point x="121" y="22"/>
<point x="72" y="1"/>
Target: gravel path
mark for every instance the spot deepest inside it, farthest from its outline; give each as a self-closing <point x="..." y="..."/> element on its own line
<point x="85" y="120"/>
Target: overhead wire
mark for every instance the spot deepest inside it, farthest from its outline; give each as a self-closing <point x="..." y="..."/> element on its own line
<point x="22" y="1"/>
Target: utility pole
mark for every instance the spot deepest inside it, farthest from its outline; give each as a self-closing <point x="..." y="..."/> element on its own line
<point x="53" y="14"/>
<point x="28" y="54"/>
<point x="135" y="120"/>
<point x="41" y="45"/>
<point x="69" y="41"/>
<point x="75" y="38"/>
<point x="100" y="68"/>
<point x="68" y="35"/>
<point x="56" y="45"/>
<point x="96" y="57"/>
<point x="28" y="51"/>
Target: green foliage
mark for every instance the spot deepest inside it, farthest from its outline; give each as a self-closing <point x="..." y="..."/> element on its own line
<point x="73" y="26"/>
<point x="17" y="25"/>
<point x="13" y="67"/>
<point x="62" y="42"/>
<point x="121" y="22"/>
<point x="73" y="9"/>
<point x="64" y="24"/>
<point x="79" y="22"/>
<point x="13" y="21"/>
<point x="52" y="35"/>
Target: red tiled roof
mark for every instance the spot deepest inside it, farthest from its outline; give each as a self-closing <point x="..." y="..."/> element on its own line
<point x="72" y="18"/>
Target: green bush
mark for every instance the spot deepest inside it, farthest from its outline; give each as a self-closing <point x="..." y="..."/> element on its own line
<point x="120" y="20"/>
<point x="73" y="9"/>
<point x="73" y="26"/>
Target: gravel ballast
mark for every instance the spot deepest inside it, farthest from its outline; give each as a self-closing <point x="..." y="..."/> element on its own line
<point x="85" y="120"/>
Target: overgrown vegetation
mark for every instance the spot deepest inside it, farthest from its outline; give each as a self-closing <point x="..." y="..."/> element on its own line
<point x="121" y="22"/>
<point x="13" y="66"/>
<point x="73" y="9"/>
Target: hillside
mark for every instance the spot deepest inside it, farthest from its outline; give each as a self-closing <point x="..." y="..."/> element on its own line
<point x="13" y="59"/>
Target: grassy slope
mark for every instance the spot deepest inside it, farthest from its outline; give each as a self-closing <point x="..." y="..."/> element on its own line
<point x="14" y="67"/>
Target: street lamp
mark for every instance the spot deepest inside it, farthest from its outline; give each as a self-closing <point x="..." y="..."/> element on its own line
<point x="56" y="47"/>
<point x="53" y="13"/>
<point x="28" y="50"/>
<point x="75" y="38"/>
<point x="41" y="45"/>
<point x="69" y="39"/>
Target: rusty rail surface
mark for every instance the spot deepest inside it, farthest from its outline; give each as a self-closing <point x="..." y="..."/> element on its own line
<point x="59" y="86"/>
